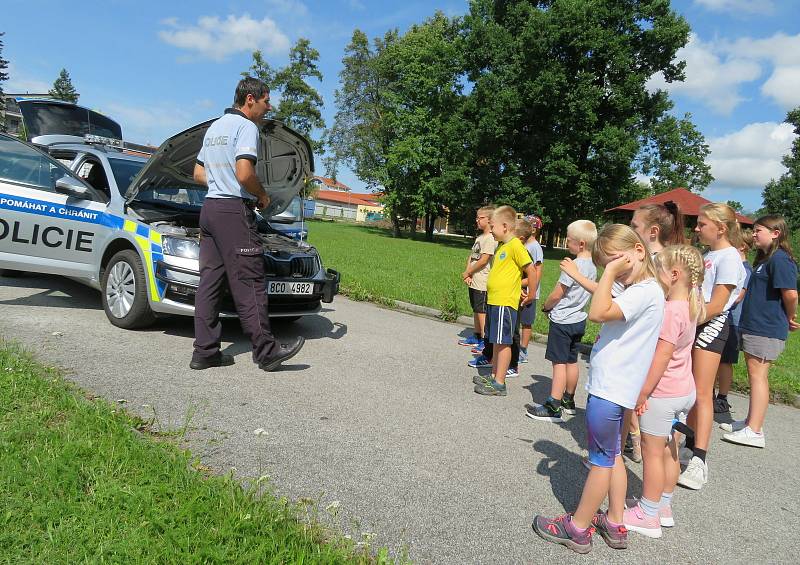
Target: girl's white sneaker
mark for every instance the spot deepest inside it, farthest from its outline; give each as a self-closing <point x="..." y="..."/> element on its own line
<point x="746" y="436"/>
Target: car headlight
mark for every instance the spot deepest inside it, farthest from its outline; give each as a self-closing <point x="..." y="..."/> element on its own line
<point x="187" y="248"/>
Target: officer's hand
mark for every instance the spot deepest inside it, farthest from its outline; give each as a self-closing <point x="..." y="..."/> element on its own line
<point x="263" y="201"/>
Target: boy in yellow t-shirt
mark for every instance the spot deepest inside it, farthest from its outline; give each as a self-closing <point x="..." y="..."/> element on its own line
<point x="504" y="290"/>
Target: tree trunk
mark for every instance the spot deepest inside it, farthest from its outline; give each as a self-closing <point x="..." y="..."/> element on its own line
<point x="430" y="224"/>
<point x="395" y="225"/>
<point x="412" y="229"/>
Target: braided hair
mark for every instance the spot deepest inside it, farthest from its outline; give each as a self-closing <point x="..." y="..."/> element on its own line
<point x="689" y="260"/>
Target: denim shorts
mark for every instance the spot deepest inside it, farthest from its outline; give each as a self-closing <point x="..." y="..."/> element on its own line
<point x="603" y="430"/>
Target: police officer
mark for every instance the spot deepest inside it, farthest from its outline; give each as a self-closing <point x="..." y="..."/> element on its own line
<point x="230" y="246"/>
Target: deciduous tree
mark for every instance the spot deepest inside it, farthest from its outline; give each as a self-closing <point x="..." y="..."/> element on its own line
<point x="782" y="196"/>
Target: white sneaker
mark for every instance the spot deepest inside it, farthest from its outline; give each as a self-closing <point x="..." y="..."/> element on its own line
<point x="734" y="426"/>
<point x="746" y="436"/>
<point x="695" y="475"/>
<point x="685" y="455"/>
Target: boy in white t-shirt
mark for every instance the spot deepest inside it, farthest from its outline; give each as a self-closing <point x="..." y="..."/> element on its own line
<point x="476" y="275"/>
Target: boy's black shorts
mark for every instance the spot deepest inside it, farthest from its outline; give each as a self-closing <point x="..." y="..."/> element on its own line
<point x="477" y="299"/>
<point x="730" y="354"/>
<point x="562" y="342"/>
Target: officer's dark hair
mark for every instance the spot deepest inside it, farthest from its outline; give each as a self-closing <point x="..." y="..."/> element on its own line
<point x="249" y="85"/>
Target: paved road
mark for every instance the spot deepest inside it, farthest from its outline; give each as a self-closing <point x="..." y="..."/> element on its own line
<point x="378" y="413"/>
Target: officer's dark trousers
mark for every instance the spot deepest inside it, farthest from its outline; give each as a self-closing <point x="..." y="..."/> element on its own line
<point x="231" y="249"/>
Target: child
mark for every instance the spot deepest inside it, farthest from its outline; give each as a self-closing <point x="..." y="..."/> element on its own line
<point x="659" y="225"/>
<point x="617" y="370"/>
<point x="532" y="226"/>
<point x="567" y="325"/>
<point x="476" y="274"/>
<point x="718" y="229"/>
<point x="504" y="288"/>
<point x="730" y="355"/>
<point x="669" y="388"/>
<point x="768" y="315"/>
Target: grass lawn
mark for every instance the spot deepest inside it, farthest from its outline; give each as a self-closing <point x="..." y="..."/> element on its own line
<point x="375" y="266"/>
<point x="78" y="484"/>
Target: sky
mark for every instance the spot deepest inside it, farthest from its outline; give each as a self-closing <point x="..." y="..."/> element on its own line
<point x="161" y="67"/>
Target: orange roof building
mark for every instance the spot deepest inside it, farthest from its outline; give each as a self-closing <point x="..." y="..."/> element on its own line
<point x="688" y="202"/>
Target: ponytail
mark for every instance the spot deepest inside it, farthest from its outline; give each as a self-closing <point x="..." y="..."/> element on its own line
<point x="668" y="218"/>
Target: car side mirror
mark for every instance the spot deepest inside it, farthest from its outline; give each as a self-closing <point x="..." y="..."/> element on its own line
<point x="72" y="187"/>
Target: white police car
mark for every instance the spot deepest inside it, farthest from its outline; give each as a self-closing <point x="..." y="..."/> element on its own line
<point x="138" y="244"/>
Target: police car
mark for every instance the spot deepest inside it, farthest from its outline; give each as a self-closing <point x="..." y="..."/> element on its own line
<point x="134" y="236"/>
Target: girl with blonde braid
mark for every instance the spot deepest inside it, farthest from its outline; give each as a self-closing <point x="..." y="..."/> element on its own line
<point x="669" y="388"/>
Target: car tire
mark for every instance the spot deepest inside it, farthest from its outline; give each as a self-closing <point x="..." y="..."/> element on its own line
<point x="124" y="290"/>
<point x="11" y="273"/>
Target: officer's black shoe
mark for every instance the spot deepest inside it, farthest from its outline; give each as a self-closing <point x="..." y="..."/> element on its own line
<point x="285" y="352"/>
<point x="221" y="360"/>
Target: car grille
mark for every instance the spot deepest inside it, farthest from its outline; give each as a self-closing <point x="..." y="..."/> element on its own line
<point x="298" y="267"/>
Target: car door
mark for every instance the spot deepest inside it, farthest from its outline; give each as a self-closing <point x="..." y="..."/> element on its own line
<point x="45" y="227"/>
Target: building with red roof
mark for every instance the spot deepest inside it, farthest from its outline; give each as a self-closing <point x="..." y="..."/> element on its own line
<point x="688" y="202"/>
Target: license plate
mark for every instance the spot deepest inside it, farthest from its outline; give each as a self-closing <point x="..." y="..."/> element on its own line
<point x="279" y="287"/>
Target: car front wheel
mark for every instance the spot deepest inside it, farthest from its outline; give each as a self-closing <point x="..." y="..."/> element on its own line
<point x="124" y="291"/>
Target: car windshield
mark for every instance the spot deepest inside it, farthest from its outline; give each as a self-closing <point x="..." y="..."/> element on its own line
<point x="124" y="170"/>
<point x="173" y="197"/>
<point x="42" y="117"/>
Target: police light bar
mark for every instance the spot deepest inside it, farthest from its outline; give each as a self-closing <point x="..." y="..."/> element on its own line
<point x="100" y="140"/>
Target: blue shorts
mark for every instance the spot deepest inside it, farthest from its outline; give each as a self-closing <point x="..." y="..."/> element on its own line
<point x="562" y="342"/>
<point x="603" y="430"/>
<point x="527" y="315"/>
<point x="501" y="322"/>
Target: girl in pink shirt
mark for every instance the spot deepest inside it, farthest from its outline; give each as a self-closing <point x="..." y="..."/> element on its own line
<point x="669" y="389"/>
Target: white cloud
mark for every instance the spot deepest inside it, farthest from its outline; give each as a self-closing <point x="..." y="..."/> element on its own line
<point x="216" y="39"/>
<point x="20" y="82"/>
<point x="292" y="7"/>
<point x="784" y="86"/>
<point x="711" y="76"/>
<point x="750" y="157"/>
<point x="738" y="6"/>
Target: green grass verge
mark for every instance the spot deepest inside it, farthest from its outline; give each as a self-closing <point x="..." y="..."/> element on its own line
<point x="377" y="267"/>
<point x="78" y="484"/>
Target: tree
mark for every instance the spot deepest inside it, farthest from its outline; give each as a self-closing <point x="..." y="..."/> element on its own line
<point x="782" y="196"/>
<point x="3" y="78"/>
<point x="737" y="206"/>
<point x="63" y="88"/>
<point x="300" y="105"/>
<point x="361" y="135"/>
<point x="560" y="106"/>
<point x="674" y="153"/>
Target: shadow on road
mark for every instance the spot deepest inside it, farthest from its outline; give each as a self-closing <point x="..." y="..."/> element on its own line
<point x="54" y="292"/>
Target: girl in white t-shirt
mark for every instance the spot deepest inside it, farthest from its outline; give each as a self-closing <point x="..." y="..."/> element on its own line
<point x="617" y="370"/>
<point x="669" y="389"/>
<point x="718" y="229"/>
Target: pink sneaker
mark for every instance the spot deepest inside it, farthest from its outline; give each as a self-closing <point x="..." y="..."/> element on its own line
<point x="664" y="512"/>
<point x="665" y="516"/>
<point x="636" y="520"/>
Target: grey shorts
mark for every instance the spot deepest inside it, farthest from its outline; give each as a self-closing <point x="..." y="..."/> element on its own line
<point x="662" y="412"/>
<point x="764" y="348"/>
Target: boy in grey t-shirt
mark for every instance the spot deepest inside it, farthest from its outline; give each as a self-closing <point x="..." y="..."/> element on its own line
<point x="565" y="308"/>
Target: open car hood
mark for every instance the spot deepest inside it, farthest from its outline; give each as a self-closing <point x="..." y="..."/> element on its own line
<point x="285" y="162"/>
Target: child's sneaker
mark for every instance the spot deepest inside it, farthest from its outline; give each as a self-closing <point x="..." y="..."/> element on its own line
<point x="721" y="405"/>
<point x="470" y="341"/>
<point x="734" y="426"/>
<point x="664" y="512"/>
<point x="560" y="530"/>
<point x="479" y="361"/>
<point x="512" y="372"/>
<point x="547" y="412"/>
<point x="746" y="436"/>
<point x="523" y="357"/>
<point x="695" y="475"/>
<point x="491" y="388"/>
<point x="482" y="379"/>
<point x="568" y="406"/>
<point x="637" y="521"/>
<point x="616" y="537"/>
<point x="478" y="349"/>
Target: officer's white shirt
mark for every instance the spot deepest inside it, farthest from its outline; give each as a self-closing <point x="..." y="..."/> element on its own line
<point x="230" y="138"/>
